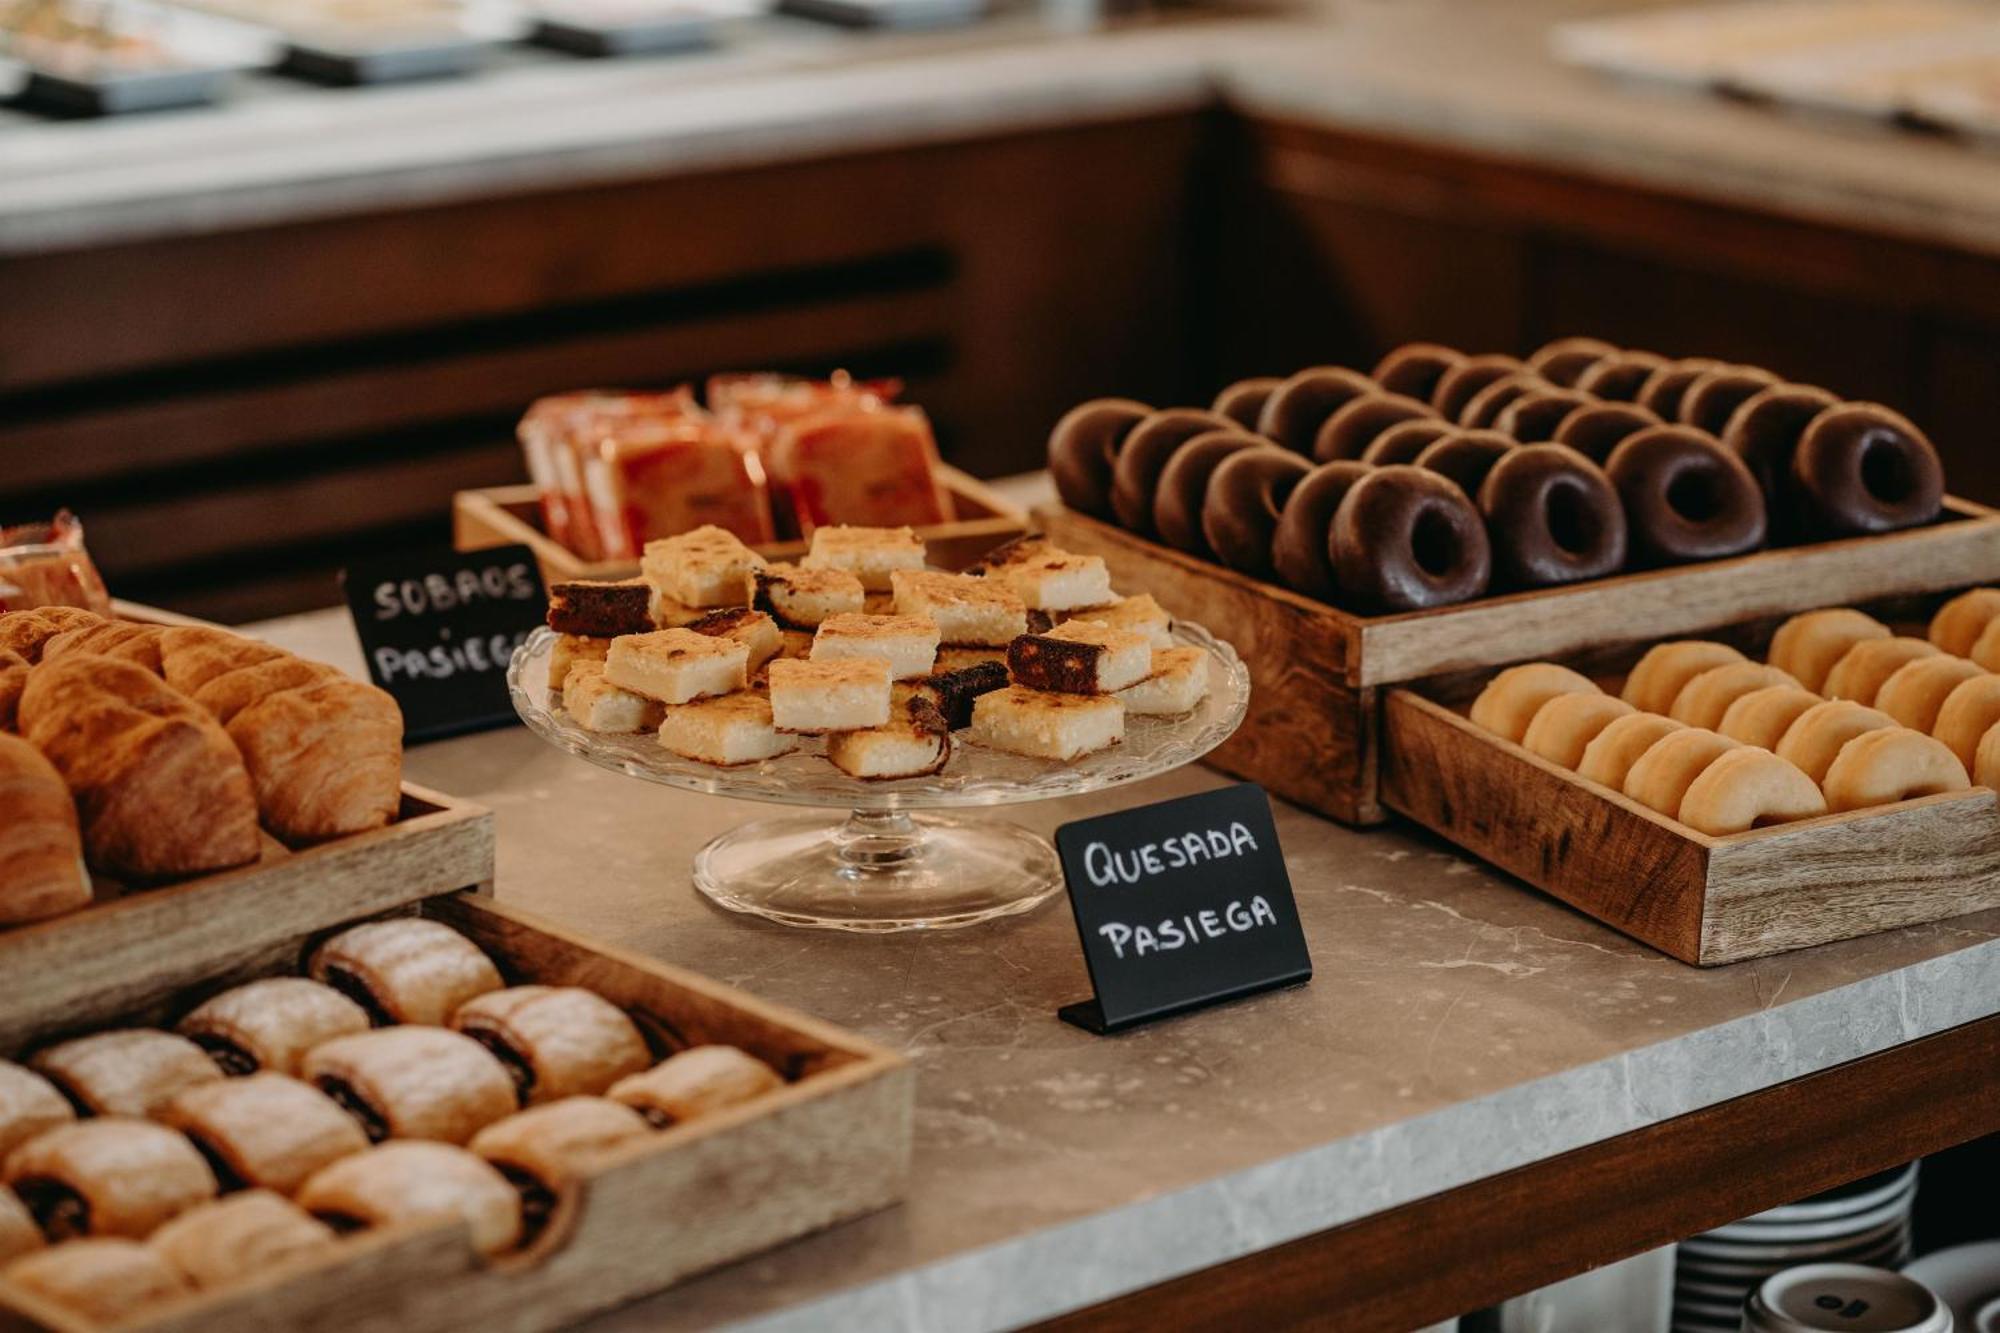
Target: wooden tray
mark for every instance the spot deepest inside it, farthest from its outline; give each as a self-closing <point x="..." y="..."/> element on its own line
<point x="1313" y="731"/>
<point x="1703" y="899"/>
<point x="504" y="515"/>
<point x="832" y="1146"/>
<point x="79" y="969"/>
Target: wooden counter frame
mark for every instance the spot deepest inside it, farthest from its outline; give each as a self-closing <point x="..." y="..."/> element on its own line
<point x="1484" y="1242"/>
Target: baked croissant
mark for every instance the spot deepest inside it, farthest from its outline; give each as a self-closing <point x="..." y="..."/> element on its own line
<point x="41" y="851"/>
<point x="122" y="639"/>
<point x="13" y="679"/>
<point x="159" y="787"/>
<point x="324" y="752"/>
<point x="25" y="632"/>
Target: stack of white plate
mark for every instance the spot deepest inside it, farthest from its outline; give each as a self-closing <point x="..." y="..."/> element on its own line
<point x="1865" y="1222"/>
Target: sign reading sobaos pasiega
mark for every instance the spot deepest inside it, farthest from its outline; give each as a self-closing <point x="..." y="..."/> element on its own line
<point x="1181" y="904"/>
<point x="438" y="630"/>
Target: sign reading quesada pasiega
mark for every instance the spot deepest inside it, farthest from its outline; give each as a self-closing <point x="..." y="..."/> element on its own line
<point x="439" y="628"/>
<point x="1180" y="905"/>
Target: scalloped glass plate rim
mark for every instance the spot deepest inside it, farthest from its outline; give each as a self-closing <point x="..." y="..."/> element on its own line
<point x="976" y="775"/>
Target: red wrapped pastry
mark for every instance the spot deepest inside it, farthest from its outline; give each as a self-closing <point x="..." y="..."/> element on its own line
<point x="651" y="479"/>
<point x="560" y="430"/>
<point x="869" y="466"/>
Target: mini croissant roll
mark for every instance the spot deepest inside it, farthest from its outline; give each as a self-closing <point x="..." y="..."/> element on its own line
<point x="268" y="1131"/>
<point x="137" y="644"/>
<point x="108" y="1177"/>
<point x="29" y="1105"/>
<point x="405" y="970"/>
<point x="271" y="1024"/>
<point x="41" y="847"/>
<point x="25" y="632"/>
<point x="14" y="670"/>
<point x="160" y="789"/>
<point x="696" y="1082"/>
<point x="557" y="1041"/>
<point x="324" y="752"/>
<point x="105" y="1281"/>
<point x="414" y="1083"/>
<point x="403" y="1182"/>
<point x="540" y="1149"/>
<point x="18" y="1233"/>
<point x="237" y="1236"/>
<point x="127" y="1071"/>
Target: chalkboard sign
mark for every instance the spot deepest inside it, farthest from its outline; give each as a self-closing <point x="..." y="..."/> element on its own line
<point x="1180" y="905"/>
<point x="437" y="630"/>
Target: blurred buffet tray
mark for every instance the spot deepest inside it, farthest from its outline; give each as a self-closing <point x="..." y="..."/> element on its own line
<point x="504" y="515"/>
<point x="121" y="56"/>
<point x="1313" y="734"/>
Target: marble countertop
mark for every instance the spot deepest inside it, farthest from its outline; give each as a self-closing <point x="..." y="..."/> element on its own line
<point x="1458" y="1025"/>
<point x="1459" y="72"/>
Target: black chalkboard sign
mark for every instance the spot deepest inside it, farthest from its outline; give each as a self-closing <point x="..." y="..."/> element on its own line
<point x="438" y="628"/>
<point x="1180" y="905"/>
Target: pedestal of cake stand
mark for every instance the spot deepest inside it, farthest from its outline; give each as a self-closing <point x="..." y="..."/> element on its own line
<point x="878" y="871"/>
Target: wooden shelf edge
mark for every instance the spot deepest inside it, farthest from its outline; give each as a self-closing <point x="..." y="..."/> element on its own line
<point x="1487" y="1241"/>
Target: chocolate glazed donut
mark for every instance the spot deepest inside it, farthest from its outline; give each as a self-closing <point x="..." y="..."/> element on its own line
<point x="1686" y="497"/>
<point x="1184" y="486"/>
<point x="1462" y="383"/>
<point x="1619" y="377"/>
<point x="1297" y="408"/>
<point x="1302" y="547"/>
<point x="1596" y="430"/>
<point x="1349" y="432"/>
<point x="1862" y="468"/>
<point x="1534" y="416"/>
<point x="1243" y="401"/>
<point x="1553" y="517"/>
<point x="1664" y="388"/>
<point x="1561" y="362"/>
<point x="1083" y="447"/>
<point x="1487" y="405"/>
<point x="1465" y="456"/>
<point x="1714" y="398"/>
<point x="1406" y="538"/>
<point x="1246" y="495"/>
<point x="1764" y="432"/>
<point x="1414" y="369"/>
<point x="1135" y="475"/>
<point x="1402" y="444"/>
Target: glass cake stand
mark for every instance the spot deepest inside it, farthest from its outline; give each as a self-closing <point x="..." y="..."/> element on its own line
<point x="885" y="868"/>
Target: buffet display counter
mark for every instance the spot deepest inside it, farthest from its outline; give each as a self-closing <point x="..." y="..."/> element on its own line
<point x="1475" y="1069"/>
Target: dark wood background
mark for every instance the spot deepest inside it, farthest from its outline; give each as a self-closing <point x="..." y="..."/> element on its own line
<point x="235" y="413"/>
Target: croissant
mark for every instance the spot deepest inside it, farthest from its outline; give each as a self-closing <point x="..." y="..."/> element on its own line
<point x="25" y="632"/>
<point x="122" y="639"/>
<point x="41" y="852"/>
<point x="324" y="752"/>
<point x="159" y="786"/>
<point x="13" y="679"/>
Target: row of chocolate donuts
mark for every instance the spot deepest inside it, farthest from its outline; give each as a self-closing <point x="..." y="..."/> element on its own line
<point x="1555" y="518"/>
<point x="1827" y="468"/>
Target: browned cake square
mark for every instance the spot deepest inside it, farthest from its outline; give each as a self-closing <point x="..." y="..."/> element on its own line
<point x="953" y="692"/>
<point x="1019" y="551"/>
<point x="804" y="598"/>
<point x="1080" y="659"/>
<point x="914" y="742"/>
<point x="757" y="632"/>
<point x="601" y="610"/>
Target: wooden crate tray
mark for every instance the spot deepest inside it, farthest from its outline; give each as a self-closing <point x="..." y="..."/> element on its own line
<point x="833" y="1145"/>
<point x="1703" y="899"/>
<point x="79" y="969"/>
<point x="1314" y="727"/>
<point x="504" y="515"/>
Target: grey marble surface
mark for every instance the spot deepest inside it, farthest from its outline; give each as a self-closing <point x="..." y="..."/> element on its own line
<point x="1458" y="1025"/>
<point x="1470" y="73"/>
